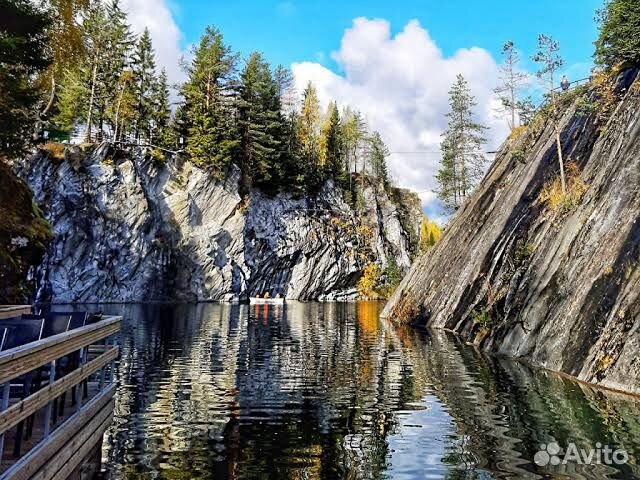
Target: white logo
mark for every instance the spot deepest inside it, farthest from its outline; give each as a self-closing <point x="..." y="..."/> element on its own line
<point x="551" y="454"/>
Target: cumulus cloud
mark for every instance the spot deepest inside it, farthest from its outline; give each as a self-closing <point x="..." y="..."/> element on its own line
<point x="158" y="18"/>
<point x="401" y="83"/>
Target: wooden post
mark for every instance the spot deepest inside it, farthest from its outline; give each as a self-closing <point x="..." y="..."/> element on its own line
<point x="4" y="404"/>
<point x="49" y="408"/>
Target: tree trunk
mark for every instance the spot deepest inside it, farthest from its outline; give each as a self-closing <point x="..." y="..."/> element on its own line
<point x="51" y="97"/>
<point x="87" y="134"/>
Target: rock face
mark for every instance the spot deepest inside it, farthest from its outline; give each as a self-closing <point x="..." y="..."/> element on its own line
<point x="127" y="229"/>
<point x="559" y="288"/>
<point x="24" y="234"/>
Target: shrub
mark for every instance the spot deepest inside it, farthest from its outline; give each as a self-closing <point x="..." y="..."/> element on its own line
<point x="369" y="281"/>
<point x="518" y="156"/>
<point x="551" y="194"/>
<point x="483" y="317"/>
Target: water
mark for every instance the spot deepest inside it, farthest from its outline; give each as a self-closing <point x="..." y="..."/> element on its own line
<point x="313" y="391"/>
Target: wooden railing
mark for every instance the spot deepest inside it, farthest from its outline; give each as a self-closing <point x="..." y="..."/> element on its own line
<point x="9" y="311"/>
<point x="61" y="437"/>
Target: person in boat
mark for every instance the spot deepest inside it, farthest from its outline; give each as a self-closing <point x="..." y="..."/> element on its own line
<point x="564" y="83"/>
<point x="266" y="295"/>
<point x="278" y="295"/>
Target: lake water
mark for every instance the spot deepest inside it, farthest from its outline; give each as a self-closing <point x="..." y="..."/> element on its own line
<point x="330" y="391"/>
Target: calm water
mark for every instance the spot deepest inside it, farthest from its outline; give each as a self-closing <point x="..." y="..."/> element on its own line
<point x="312" y="391"/>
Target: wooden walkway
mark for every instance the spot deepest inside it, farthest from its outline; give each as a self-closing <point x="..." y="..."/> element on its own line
<point x="61" y="424"/>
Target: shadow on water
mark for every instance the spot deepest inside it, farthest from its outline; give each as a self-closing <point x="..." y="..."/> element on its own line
<point x="330" y="391"/>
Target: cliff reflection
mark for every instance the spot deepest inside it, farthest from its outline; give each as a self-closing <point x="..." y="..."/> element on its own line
<point x="329" y="391"/>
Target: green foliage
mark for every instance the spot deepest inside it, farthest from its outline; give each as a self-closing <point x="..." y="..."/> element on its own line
<point x="619" y="38"/>
<point x="23" y="47"/>
<point x="518" y="155"/>
<point x="144" y="85"/>
<point x="524" y="251"/>
<point x="463" y="161"/>
<point x="208" y="109"/>
<point x="483" y="317"/>
<point x="260" y="125"/>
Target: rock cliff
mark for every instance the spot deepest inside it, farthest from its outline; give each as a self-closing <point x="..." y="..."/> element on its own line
<point x="553" y="281"/>
<point x="128" y="228"/>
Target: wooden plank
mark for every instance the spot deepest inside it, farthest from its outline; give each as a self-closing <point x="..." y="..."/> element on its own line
<point x="27" y="466"/>
<point x="80" y="448"/>
<point x="29" y="348"/>
<point x="9" y="311"/>
<point x="14" y="363"/>
<point x="18" y="412"/>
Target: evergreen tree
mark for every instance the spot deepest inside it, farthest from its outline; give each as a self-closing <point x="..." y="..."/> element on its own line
<point x="308" y="134"/>
<point x="619" y="38"/>
<point x="209" y="95"/>
<point x="286" y="89"/>
<point x="144" y="74"/>
<point x="260" y="125"/>
<point x="23" y="46"/>
<point x="91" y="88"/>
<point x="463" y="161"/>
<point x="354" y="131"/>
<point x="550" y="61"/>
<point x="161" y="114"/>
<point x="512" y="80"/>
<point x="333" y="144"/>
<point x="378" y="153"/>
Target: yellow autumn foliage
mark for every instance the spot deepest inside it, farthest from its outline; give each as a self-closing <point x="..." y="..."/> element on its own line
<point x="369" y="281"/>
<point x="430" y="233"/>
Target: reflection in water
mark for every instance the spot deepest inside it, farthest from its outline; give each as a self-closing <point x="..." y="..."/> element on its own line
<point x="330" y="391"/>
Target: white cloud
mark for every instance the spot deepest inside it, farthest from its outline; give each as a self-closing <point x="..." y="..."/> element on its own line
<point x="401" y="86"/>
<point x="165" y="33"/>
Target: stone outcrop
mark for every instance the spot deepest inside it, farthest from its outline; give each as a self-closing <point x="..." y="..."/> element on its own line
<point x="558" y="287"/>
<point x="129" y="229"/>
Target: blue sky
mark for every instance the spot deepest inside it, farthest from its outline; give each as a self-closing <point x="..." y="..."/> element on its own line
<point x="294" y="31"/>
<point x="394" y="62"/>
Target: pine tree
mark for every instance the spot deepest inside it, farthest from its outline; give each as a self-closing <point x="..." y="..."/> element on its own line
<point x="309" y="136"/>
<point x="23" y="42"/>
<point x="512" y="80"/>
<point x="161" y="114"/>
<point x="260" y="125"/>
<point x="619" y="37"/>
<point x="378" y="153"/>
<point x="550" y="61"/>
<point x="209" y="95"/>
<point x="144" y="74"/>
<point x="463" y="161"/>
<point x="333" y="144"/>
<point x="90" y="89"/>
<point x="354" y="131"/>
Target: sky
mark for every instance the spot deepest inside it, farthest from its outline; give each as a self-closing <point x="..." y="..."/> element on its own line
<point x="393" y="61"/>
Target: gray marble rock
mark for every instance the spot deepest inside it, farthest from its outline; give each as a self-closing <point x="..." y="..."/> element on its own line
<point x="557" y="288"/>
<point x="127" y="229"/>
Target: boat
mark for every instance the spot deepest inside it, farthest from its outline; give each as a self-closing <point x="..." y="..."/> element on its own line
<point x="266" y="301"/>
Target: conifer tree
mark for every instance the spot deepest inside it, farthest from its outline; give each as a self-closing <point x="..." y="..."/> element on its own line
<point x="308" y="134"/>
<point x="209" y="95"/>
<point x="23" y="43"/>
<point x="144" y="75"/>
<point x="353" y="131"/>
<point x="619" y="37"/>
<point x="378" y="153"/>
<point x="550" y="62"/>
<point x="161" y="114"/>
<point x="512" y="80"/>
<point x="333" y="144"/>
<point x="260" y="124"/>
<point x="463" y="161"/>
